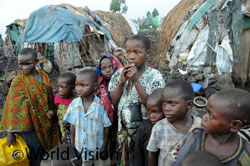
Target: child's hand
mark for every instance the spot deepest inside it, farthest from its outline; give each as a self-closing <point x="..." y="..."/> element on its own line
<point x="11" y="138"/>
<point x="50" y="114"/>
<point x="104" y="153"/>
<point x="124" y="76"/>
<point x="132" y="73"/>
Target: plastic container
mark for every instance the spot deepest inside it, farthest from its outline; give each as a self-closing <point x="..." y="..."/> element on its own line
<point x="15" y="155"/>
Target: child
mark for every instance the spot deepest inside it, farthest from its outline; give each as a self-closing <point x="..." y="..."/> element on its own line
<point x="89" y="121"/>
<point x="29" y="108"/>
<point x="66" y="85"/>
<point x="177" y="99"/>
<point x="107" y="66"/>
<point x="201" y="158"/>
<point x="130" y="87"/>
<point x="227" y="112"/>
<point x="140" y="153"/>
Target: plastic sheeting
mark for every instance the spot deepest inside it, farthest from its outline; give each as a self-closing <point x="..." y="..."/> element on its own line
<point x="134" y="27"/>
<point x="52" y="24"/>
<point x="211" y="35"/>
<point x="197" y="57"/>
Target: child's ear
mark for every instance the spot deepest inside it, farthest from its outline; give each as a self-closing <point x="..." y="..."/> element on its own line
<point x="190" y="104"/>
<point x="235" y="126"/>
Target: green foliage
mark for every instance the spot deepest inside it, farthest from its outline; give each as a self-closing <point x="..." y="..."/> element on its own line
<point x="118" y="6"/>
<point x="155" y="12"/>
<point x="125" y="9"/>
<point x="149" y="15"/>
<point x="115" y="6"/>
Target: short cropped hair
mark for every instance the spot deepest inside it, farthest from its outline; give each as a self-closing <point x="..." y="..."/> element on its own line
<point x="155" y="97"/>
<point x="201" y="158"/>
<point x="145" y="40"/>
<point x="30" y="51"/>
<point x="239" y="103"/>
<point x="91" y="73"/>
<point x="184" y="88"/>
<point x="70" y="77"/>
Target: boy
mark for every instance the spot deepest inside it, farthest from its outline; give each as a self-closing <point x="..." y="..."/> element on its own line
<point x="177" y="99"/>
<point x="89" y="121"/>
<point x="28" y="110"/>
<point x="66" y="86"/>
<point x="227" y="112"/>
<point x="201" y="158"/>
<point x="140" y="153"/>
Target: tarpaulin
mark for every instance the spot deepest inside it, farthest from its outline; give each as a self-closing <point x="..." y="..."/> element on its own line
<point x="52" y="24"/>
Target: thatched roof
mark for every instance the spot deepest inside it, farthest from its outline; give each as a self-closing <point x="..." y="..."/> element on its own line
<point x="117" y="26"/>
<point x="172" y="22"/>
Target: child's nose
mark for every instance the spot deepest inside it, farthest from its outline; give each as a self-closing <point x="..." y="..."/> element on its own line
<point x="166" y="107"/>
<point x="132" y="56"/>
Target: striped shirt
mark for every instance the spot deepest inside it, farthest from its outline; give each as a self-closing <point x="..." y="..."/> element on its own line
<point x="166" y="138"/>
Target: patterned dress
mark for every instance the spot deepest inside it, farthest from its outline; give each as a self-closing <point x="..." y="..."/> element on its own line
<point x="62" y="105"/>
<point x="150" y="81"/>
<point x="25" y="109"/>
<point x="102" y="91"/>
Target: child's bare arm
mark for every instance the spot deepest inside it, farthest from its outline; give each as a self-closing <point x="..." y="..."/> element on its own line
<point x="152" y="158"/>
<point x="104" y="149"/>
<point x="105" y="138"/>
<point x="72" y="134"/>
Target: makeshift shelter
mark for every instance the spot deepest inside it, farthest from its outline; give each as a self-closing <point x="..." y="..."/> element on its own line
<point x="71" y="37"/>
<point x="117" y="25"/>
<point x="202" y="42"/>
<point x="206" y="36"/>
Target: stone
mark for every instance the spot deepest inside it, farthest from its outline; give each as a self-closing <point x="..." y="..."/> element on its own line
<point x="207" y="70"/>
<point x="199" y="77"/>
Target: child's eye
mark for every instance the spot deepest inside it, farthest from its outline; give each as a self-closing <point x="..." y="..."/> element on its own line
<point x="173" y="104"/>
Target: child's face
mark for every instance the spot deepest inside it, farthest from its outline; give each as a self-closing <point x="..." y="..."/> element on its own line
<point x="154" y="113"/>
<point x="136" y="52"/>
<point x="106" y="68"/>
<point x="65" y="88"/>
<point x="85" y="86"/>
<point x="27" y="63"/>
<point x="174" y="106"/>
<point x="215" y="121"/>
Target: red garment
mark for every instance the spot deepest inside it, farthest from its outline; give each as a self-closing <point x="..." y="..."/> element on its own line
<point x="102" y="91"/>
<point x="58" y="100"/>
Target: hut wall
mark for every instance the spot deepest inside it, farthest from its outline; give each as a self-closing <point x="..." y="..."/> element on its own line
<point x="242" y="67"/>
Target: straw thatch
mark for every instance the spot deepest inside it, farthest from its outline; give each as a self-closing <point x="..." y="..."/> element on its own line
<point x="117" y="26"/>
<point x="172" y="22"/>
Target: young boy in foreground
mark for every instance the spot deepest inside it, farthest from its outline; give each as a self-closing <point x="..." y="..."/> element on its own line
<point x="177" y="99"/>
<point x="227" y="111"/>
<point x="155" y="113"/>
<point x="89" y="121"/>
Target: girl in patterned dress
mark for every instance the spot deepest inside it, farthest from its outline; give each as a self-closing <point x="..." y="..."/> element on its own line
<point x="66" y="85"/>
<point x="130" y="87"/>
